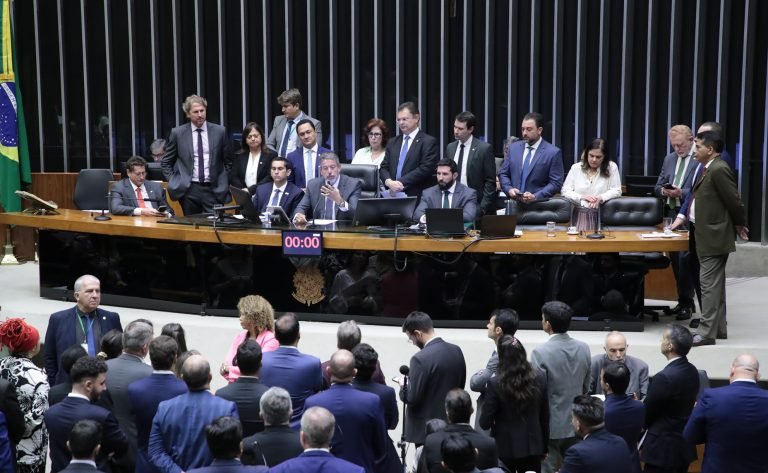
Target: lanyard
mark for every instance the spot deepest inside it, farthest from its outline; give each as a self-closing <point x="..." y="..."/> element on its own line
<point x="80" y="316"/>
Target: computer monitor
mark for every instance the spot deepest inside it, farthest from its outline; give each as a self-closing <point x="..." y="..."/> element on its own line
<point x="640" y="186"/>
<point x="384" y="212"/>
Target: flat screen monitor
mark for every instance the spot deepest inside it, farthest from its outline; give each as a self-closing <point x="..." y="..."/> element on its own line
<point x="384" y="212"/>
<point x="640" y="186"/>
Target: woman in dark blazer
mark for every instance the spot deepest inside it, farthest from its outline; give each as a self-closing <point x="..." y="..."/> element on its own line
<point x="252" y="164"/>
<point x="516" y="409"/>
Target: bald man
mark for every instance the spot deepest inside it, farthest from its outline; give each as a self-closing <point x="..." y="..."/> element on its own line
<point x="732" y="423"/>
<point x="616" y="350"/>
<point x="359" y="415"/>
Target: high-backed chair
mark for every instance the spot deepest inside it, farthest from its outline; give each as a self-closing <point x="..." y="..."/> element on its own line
<point x="92" y="188"/>
<point x="368" y="175"/>
<point x="556" y="210"/>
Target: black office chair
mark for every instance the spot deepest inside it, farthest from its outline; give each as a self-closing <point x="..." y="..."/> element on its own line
<point x="92" y="189"/>
<point x="556" y="209"/>
<point x="368" y="175"/>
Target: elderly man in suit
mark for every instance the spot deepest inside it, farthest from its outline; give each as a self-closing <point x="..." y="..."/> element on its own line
<point x="134" y="195"/>
<point x="197" y="160"/>
<point x="246" y="391"/>
<point x="474" y="158"/>
<point x="448" y="193"/>
<point x="83" y="324"/>
<point x="278" y="442"/>
<point x="410" y="159"/>
<point x="730" y="421"/>
<point x="332" y="196"/>
<point x="284" y="135"/>
<point x="668" y="406"/>
<point x="624" y="415"/>
<point x="224" y="438"/>
<point x="280" y="191"/>
<point x="565" y="362"/>
<point x="615" y="347"/>
<point x="306" y="158"/>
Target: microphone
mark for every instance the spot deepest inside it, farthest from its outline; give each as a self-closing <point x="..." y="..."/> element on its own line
<point x="598" y="235"/>
<point x="102" y="217"/>
<point x="404" y="370"/>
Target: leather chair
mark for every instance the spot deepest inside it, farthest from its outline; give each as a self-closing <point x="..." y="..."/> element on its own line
<point x="368" y="175"/>
<point x="92" y="188"/>
<point x="556" y="209"/>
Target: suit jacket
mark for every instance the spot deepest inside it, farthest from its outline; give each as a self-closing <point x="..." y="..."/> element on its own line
<point x="731" y="422"/>
<point x="299" y="174"/>
<point x="600" y="452"/>
<point x="275" y="444"/>
<point x="377" y="377"/>
<point x="229" y="466"/>
<point x="481" y="171"/>
<point x="179" y="155"/>
<point x="80" y="468"/>
<point x="9" y="405"/>
<point x="123" y="200"/>
<point x="638" y="375"/>
<point x="624" y="416"/>
<point x="288" y="199"/>
<point x="278" y="130"/>
<point x="361" y="435"/>
<point x="313" y="203"/>
<point x="420" y="163"/>
<point x="545" y="176"/>
<point x="177" y="441"/>
<point x="718" y="210"/>
<point x="463" y="198"/>
<point x="316" y="461"/>
<point x="387" y="396"/>
<point x="486" y="456"/>
<point x="240" y="166"/>
<point x="64" y="331"/>
<point x="60" y="419"/>
<point x="296" y="372"/>
<point x="479" y="381"/>
<point x="145" y="395"/>
<point x="246" y="393"/>
<point x="667" y="175"/>
<point x="566" y="364"/>
<point x="59" y="392"/>
<point x="434" y="370"/>
<point x="668" y="406"/>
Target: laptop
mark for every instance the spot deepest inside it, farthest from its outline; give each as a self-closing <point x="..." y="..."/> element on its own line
<point x="498" y="226"/>
<point x="445" y="222"/>
<point x="245" y="201"/>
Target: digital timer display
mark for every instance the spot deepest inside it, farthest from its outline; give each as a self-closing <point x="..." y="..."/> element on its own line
<point x="302" y="243"/>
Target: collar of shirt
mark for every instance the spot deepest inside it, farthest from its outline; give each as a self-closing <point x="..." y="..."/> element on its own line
<point x="467" y="144"/>
<point x="314" y="148"/>
<point x="317" y="450"/>
<point x="429" y="341"/>
<point x="204" y="127"/>
<point x="83" y="462"/>
<point x="710" y="162"/>
<point x="673" y="359"/>
<point x="290" y="346"/>
<point x="535" y="146"/>
<point x="138" y="358"/>
<point x="452" y="189"/>
<point x="412" y="136"/>
<point x="296" y="120"/>
<point x="746" y="380"/>
<point x="282" y="188"/>
<point x="163" y="372"/>
<point x="78" y="395"/>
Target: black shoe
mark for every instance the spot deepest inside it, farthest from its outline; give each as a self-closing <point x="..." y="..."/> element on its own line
<point x="679" y="308"/>
<point x="699" y="341"/>
<point x="684" y="314"/>
<point x="694" y="323"/>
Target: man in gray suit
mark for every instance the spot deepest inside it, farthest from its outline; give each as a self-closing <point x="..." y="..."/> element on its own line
<point x="332" y="196"/>
<point x="283" y="137"/>
<point x="136" y="196"/>
<point x="616" y="350"/>
<point x="197" y="160"/>
<point x="477" y="168"/>
<point x="566" y="363"/>
<point x="448" y="193"/>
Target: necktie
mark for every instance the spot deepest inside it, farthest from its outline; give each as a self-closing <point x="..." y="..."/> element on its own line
<point x="275" y="198"/>
<point x="401" y="160"/>
<point x="328" y="214"/>
<point x="446" y="202"/>
<point x="286" y="138"/>
<point x="461" y="160"/>
<point x="200" y="160"/>
<point x="672" y="203"/>
<point x="140" y="198"/>
<point x="700" y="172"/>
<point x="309" y="165"/>
<point x="89" y="335"/>
<point x="526" y="167"/>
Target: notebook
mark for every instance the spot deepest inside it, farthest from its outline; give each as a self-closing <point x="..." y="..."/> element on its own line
<point x="498" y="226"/>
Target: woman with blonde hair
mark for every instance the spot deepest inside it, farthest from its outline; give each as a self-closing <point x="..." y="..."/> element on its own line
<point x="257" y="318"/>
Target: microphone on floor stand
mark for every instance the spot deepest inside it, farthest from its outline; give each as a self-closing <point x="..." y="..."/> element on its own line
<point x="403" y="444"/>
<point x="103" y="217"/>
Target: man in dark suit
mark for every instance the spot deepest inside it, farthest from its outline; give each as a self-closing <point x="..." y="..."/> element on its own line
<point x="84" y="443"/>
<point x="332" y="196"/>
<point x="317" y="429"/>
<point x="615" y="347"/>
<point x="197" y="160"/>
<point x="533" y="169"/>
<point x="147" y="393"/>
<point x="83" y="324"/>
<point x="475" y="161"/>
<point x="306" y="158"/>
<point x="448" y="193"/>
<point x="731" y="422"/>
<point x="358" y="414"/>
<point x="624" y="415"/>
<point x="246" y="391"/>
<point x="134" y="195"/>
<point x="68" y="358"/>
<point x="436" y="369"/>
<point x="284" y="137"/>
<point x="296" y="372"/>
<point x="410" y="160"/>
<point x="600" y="451"/>
<point x="458" y="408"/>
<point x="668" y="405"/>
<point x="89" y="380"/>
<point x="278" y="192"/>
<point x="177" y="440"/>
<point x="224" y="438"/>
<point x="278" y="442"/>
<point x="724" y="155"/>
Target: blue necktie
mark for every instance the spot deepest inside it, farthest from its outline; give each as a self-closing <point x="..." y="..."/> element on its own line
<point x="401" y="161"/>
<point x="526" y="168"/>
<point x="275" y="198"/>
<point x="287" y="136"/>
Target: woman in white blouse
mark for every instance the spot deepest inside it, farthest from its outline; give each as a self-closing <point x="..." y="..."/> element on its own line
<point x="251" y="165"/>
<point x="594" y="179"/>
<point x="375" y="136"/>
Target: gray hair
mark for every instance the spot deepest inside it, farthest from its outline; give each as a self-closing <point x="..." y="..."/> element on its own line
<point x="330" y="155"/>
<point x="191" y="100"/>
<point x="157" y="145"/>
<point x="318" y="425"/>
<point x="137" y="334"/>
<point x="276" y="407"/>
<point x="80" y="282"/>
<point x="348" y="335"/>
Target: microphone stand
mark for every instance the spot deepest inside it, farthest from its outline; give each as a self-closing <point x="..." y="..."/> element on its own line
<point x="402" y="443"/>
<point x="598" y="235"/>
<point x="103" y="217"/>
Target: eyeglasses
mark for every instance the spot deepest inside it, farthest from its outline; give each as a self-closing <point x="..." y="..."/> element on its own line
<point x="373" y="134"/>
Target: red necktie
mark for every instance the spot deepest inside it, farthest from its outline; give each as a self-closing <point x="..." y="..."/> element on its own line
<point x="140" y="198"/>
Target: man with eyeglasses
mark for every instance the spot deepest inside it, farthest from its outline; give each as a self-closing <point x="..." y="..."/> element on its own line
<point x="134" y="195"/>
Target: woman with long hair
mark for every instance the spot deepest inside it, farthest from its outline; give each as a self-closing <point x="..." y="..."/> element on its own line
<point x="375" y="136"/>
<point x="252" y="164"/>
<point x="257" y="318"/>
<point x="594" y="179"/>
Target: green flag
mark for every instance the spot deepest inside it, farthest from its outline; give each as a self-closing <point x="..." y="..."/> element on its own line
<point x="14" y="152"/>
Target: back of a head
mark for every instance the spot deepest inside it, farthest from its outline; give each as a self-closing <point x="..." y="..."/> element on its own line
<point x="287" y="329"/>
<point x="458" y="454"/>
<point x="342" y="366"/>
<point x="176" y="332"/>
<point x="111" y="344"/>
<point x="435" y="425"/>
<point x="348" y="335"/>
<point x="318" y="425"/>
<point x="162" y="352"/>
<point x="196" y="372"/>
<point x="83" y="439"/>
<point x="680" y="338"/>
<point x="137" y="335"/>
<point x="458" y="406"/>
<point x="276" y="407"/>
<point x="712" y="139"/>
<point x="507" y="320"/>
<point x="589" y="411"/>
<point x="223" y="436"/>
<point x="248" y="357"/>
<point x="70" y="356"/>
<point x="558" y="314"/>
<point x="87" y="367"/>
<point x="616" y="374"/>
<point x="366" y="360"/>
<point x="418" y="321"/>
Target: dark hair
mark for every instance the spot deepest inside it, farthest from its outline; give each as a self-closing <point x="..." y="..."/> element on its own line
<point x="111" y="344"/>
<point x="249" y="127"/>
<point x="382" y="126"/>
<point x="449" y="163"/>
<point x="87" y="367"/>
<point x="163" y="351"/>
<point x="288" y="164"/>
<point x="83" y="438"/>
<point x="711" y="139"/>
<point x="613" y="301"/>
<point x="417" y="321"/>
<point x="535" y="116"/>
<point x="306" y="121"/>
<point x="70" y="356"/>
<point x="589" y="410"/>
<point x="435" y="425"/>
<point x="176" y="332"/>
<point x="458" y="406"/>
<point x="290" y="96"/>
<point x="196" y="374"/>
<point x="468" y="118"/>
<point x="248" y="357"/>
<point x="507" y="320"/>
<point x="135" y="161"/>
<point x="287" y="329"/>
<point x="714" y="126"/>
<point x="597" y="143"/>
<point x="223" y="436"/>
<point x="516" y="378"/>
<point x="410" y="106"/>
<point x="680" y="338"/>
<point x="616" y="374"/>
<point x="558" y="314"/>
<point x="458" y="453"/>
<point x="366" y="360"/>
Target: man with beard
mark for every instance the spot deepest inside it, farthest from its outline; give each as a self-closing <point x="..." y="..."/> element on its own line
<point x="448" y="193"/>
<point x="89" y="380"/>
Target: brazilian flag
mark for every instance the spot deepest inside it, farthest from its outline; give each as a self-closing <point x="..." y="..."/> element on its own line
<point x="14" y="153"/>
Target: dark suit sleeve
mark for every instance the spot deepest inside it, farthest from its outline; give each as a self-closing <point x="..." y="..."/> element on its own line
<point x="393" y="415"/>
<point x="489" y="179"/>
<point x="120" y="204"/>
<point x="572" y="462"/>
<point x="505" y="172"/>
<point x="170" y="157"/>
<point x="725" y="183"/>
<point x="157" y="453"/>
<point x="555" y="178"/>
<point x="113" y="440"/>
<point x="354" y="196"/>
<point x="384" y="172"/>
<point x="470" y="205"/>
<point x="491" y="406"/>
<point x="235" y="177"/>
<point x="426" y="202"/>
<point x="656" y="400"/>
<point x="304" y="207"/>
<point x="418" y="380"/>
<point x="49" y="354"/>
<point x="427" y="163"/>
<point x="13" y="415"/>
<point x="695" y="431"/>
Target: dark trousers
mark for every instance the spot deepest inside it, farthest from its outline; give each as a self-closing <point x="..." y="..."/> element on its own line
<point x="522" y="465"/>
<point x="198" y="199"/>
<point x="658" y="469"/>
<point x="687" y="284"/>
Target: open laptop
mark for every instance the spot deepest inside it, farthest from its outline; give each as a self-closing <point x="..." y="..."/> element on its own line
<point x="445" y="222"/>
<point x="498" y="226"/>
<point x="245" y="201"/>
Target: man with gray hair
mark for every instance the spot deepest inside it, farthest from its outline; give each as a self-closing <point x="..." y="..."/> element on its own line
<point x="317" y="428"/>
<point x="278" y="442"/>
<point x="332" y="196"/>
<point x="157" y="150"/>
<point x="616" y="350"/>
<point x="348" y="336"/>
